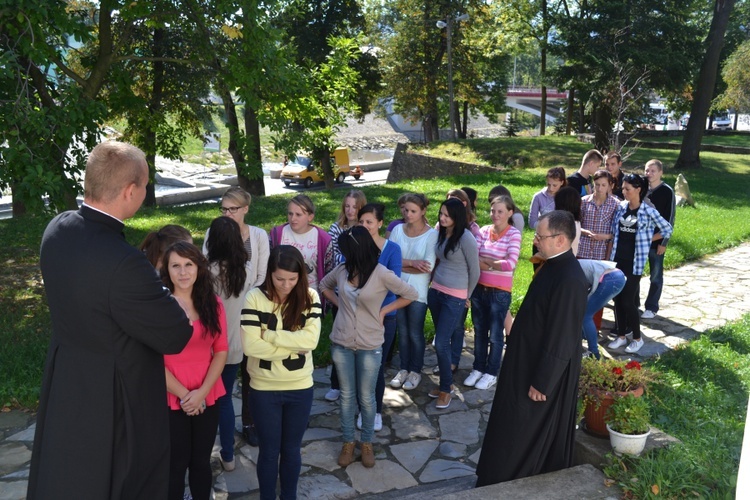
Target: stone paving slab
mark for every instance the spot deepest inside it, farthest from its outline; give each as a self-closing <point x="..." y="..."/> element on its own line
<point x="423" y="452"/>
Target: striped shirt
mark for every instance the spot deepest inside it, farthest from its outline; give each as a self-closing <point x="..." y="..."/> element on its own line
<point x="598" y="220"/>
<point x="504" y="247"/>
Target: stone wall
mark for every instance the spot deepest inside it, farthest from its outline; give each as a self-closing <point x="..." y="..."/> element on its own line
<point x="408" y="165"/>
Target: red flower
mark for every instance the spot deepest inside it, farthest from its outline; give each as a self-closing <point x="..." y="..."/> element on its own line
<point x="632" y="365"/>
<point x="617" y="370"/>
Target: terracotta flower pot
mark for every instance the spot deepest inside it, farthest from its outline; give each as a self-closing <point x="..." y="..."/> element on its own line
<point x="594" y="414"/>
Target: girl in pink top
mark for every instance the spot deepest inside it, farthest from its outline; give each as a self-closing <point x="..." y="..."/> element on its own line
<point x="194" y="376"/>
<point x="499" y="246"/>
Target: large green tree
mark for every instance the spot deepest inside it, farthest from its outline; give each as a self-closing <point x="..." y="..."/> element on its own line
<point x="161" y="94"/>
<point x="657" y="43"/>
<point x="415" y="57"/>
<point x="328" y="95"/>
<point x="49" y="108"/>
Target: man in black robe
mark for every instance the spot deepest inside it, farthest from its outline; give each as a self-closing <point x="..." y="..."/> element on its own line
<point x="532" y="423"/>
<point x="102" y="427"/>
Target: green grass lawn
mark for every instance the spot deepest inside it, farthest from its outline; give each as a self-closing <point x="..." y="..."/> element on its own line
<point x="737" y="140"/>
<point x="721" y="220"/>
<point x="702" y="401"/>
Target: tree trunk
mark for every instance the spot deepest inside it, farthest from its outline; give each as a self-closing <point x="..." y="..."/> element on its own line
<point x="543" y="107"/>
<point x="253" y="182"/>
<point x="18" y="203"/>
<point x="230" y="112"/>
<point x="602" y="127"/>
<point x="569" y="117"/>
<point x="464" y="128"/>
<point x="704" y="87"/>
<point x="325" y="164"/>
<point x="154" y="108"/>
<point x="581" y="117"/>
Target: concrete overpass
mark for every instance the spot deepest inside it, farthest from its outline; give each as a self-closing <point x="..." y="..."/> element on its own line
<point x="529" y="99"/>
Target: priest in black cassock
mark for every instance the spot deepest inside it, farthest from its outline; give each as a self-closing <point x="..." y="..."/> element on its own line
<point x="102" y="428"/>
<point x="532" y="423"/>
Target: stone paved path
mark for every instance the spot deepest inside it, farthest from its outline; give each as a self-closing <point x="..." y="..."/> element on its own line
<point x="419" y="445"/>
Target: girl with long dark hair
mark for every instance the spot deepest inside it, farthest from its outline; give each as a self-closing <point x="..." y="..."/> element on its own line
<point x="358" y="333"/>
<point x="371" y="218"/>
<point x="633" y="226"/>
<point x="456" y="275"/>
<point x="235" y="205"/>
<point x="229" y="265"/>
<point x="281" y="327"/>
<point x="193" y="376"/>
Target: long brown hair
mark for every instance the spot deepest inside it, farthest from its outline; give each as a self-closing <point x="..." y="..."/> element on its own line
<point x="288" y="258"/>
<point x="204" y="298"/>
<point x="226" y="249"/>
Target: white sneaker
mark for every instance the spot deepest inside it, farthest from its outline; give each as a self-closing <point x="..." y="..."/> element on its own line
<point x="473" y="378"/>
<point x="634" y="346"/>
<point x="378" y="422"/>
<point x="399" y="379"/>
<point x="412" y="381"/>
<point x="617" y="343"/>
<point x="648" y="314"/>
<point x="436" y="370"/>
<point x="359" y="421"/>
<point x="486" y="381"/>
<point x="333" y="394"/>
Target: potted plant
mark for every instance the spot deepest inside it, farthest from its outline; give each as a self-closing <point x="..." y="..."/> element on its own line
<point x="601" y="381"/>
<point x="628" y="424"/>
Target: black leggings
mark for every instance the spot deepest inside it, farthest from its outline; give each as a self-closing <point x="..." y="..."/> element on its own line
<point x="627" y="318"/>
<point x="191" y="440"/>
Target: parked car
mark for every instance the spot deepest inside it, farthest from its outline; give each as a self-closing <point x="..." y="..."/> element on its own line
<point x="305" y="171"/>
<point x="722" y="121"/>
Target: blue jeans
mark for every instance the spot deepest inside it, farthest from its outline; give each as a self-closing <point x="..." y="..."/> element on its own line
<point x="446" y="312"/>
<point x="656" y="266"/>
<point x="389" y="335"/>
<point x="410" y="321"/>
<point x="226" y="413"/>
<point x="610" y="285"/>
<point x="281" y="420"/>
<point x="358" y="374"/>
<point x="457" y="340"/>
<point x="488" y="309"/>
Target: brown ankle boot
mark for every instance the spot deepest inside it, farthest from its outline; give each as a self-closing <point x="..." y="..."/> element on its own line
<point x="368" y="455"/>
<point x="347" y="454"/>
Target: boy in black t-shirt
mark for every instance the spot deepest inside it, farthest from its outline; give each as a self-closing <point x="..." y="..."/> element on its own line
<point x="661" y="196"/>
<point x="592" y="161"/>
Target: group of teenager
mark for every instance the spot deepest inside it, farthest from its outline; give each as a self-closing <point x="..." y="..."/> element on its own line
<point x="252" y="302"/>
<point x="622" y="222"/>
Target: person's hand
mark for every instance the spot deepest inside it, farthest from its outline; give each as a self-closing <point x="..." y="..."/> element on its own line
<point x="383" y="314"/>
<point x="535" y="395"/>
<point x="421" y="265"/>
<point x="660" y="250"/>
<point x="193" y="403"/>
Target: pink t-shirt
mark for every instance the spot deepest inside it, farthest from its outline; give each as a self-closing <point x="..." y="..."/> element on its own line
<point x="504" y="247"/>
<point x="191" y="365"/>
